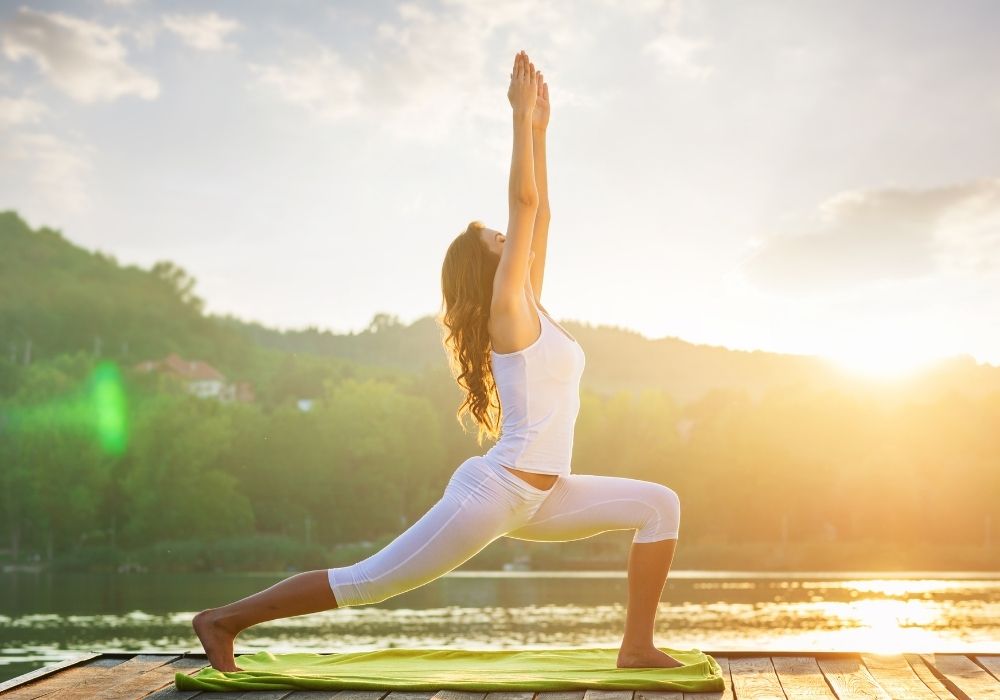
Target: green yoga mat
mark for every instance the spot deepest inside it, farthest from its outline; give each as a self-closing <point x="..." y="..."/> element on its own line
<point x="452" y="669"/>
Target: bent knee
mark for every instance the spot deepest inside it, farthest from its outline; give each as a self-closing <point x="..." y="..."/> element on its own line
<point x="664" y="519"/>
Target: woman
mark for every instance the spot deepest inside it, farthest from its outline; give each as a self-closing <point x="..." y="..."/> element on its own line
<point x="521" y="373"/>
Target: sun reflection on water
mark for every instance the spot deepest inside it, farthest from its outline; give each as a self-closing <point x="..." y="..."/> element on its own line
<point x="905" y="588"/>
<point x="887" y="626"/>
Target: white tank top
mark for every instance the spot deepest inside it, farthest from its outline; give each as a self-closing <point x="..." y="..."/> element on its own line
<point x="539" y="388"/>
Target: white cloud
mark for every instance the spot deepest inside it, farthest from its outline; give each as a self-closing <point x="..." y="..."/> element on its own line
<point x="676" y="53"/>
<point x="55" y="170"/>
<point x="439" y="73"/>
<point x="320" y="82"/>
<point x="206" y="32"/>
<point x="967" y="239"/>
<point x="21" y="110"/>
<point x="83" y="59"/>
<point x="867" y="236"/>
<point x="433" y="70"/>
<point x="144" y="33"/>
<point x="672" y="49"/>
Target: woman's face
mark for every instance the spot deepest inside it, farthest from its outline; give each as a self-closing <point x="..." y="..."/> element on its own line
<point x="494" y="240"/>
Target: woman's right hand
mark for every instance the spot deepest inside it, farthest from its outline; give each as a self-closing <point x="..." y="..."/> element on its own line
<point x="523" y="90"/>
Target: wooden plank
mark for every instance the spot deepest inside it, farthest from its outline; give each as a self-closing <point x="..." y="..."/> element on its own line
<point x="754" y="679"/>
<point x="247" y="695"/>
<point x="990" y="663"/>
<point x="925" y="674"/>
<point x="441" y="695"/>
<point x="607" y="695"/>
<point x="506" y="695"/>
<point x="46" y="670"/>
<point x="141" y="685"/>
<point x="660" y="695"/>
<point x="559" y="695"/>
<point x="68" y="677"/>
<point x="260" y="695"/>
<point x="726" y="693"/>
<point x="171" y="693"/>
<point x="815" y="653"/>
<point x="801" y="677"/>
<point x="960" y="674"/>
<point x="851" y="680"/>
<point x="372" y="695"/>
<point x="897" y="677"/>
<point x="140" y="663"/>
<point x="399" y="695"/>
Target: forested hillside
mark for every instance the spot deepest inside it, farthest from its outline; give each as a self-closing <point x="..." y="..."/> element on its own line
<point x="61" y="298"/>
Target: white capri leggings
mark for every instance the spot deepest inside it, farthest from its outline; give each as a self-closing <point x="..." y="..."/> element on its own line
<point x="483" y="502"/>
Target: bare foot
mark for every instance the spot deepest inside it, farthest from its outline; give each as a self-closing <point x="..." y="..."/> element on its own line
<point x="646" y="658"/>
<point x="217" y="641"/>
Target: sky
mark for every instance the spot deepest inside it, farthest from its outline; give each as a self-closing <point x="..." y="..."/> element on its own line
<point x="815" y="178"/>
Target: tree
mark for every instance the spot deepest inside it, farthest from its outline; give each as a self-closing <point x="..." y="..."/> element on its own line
<point x="180" y="281"/>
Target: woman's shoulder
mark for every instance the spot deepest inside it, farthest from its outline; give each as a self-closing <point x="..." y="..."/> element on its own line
<point x="514" y="327"/>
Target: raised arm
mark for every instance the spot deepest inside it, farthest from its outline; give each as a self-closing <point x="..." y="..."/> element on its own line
<point x="512" y="272"/>
<point x="540" y="235"/>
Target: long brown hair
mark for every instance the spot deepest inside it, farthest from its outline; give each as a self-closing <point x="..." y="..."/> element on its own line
<point x="467" y="290"/>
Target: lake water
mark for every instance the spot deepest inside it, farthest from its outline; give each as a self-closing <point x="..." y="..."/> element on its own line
<point x="45" y="618"/>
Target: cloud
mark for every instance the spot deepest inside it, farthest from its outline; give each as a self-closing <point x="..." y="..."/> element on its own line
<point x="867" y="236"/>
<point x="433" y="74"/>
<point x="436" y="73"/>
<point x="676" y="53"/>
<point x="83" y="59"/>
<point x="319" y="81"/>
<point x="15" y="111"/>
<point x="56" y="170"/>
<point x="444" y="71"/>
<point x="206" y="32"/>
<point x="144" y="33"/>
<point x="672" y="49"/>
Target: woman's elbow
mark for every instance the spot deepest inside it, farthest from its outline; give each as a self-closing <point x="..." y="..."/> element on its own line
<point x="525" y="199"/>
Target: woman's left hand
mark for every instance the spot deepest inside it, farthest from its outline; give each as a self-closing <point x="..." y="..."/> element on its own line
<point x="540" y="116"/>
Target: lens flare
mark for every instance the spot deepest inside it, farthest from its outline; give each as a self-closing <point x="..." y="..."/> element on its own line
<point x="97" y="410"/>
<point x="107" y="400"/>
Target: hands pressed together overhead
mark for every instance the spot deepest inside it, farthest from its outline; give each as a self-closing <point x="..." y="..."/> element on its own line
<point x="528" y="92"/>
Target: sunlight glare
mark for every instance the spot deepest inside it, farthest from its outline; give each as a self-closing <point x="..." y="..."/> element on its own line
<point x="886" y="353"/>
<point x="886" y="626"/>
<point x="896" y="587"/>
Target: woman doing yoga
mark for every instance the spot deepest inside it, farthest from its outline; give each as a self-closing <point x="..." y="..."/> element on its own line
<point x="521" y="374"/>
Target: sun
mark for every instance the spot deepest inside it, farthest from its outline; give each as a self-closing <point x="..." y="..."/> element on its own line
<point x="882" y="365"/>
<point x="886" y="358"/>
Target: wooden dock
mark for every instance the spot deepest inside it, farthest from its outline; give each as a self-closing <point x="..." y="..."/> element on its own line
<point x="761" y="676"/>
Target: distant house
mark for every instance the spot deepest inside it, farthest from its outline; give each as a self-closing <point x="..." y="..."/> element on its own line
<point x="200" y="378"/>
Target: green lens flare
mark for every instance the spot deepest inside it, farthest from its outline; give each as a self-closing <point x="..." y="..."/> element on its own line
<point x="97" y="410"/>
<point x="107" y="401"/>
